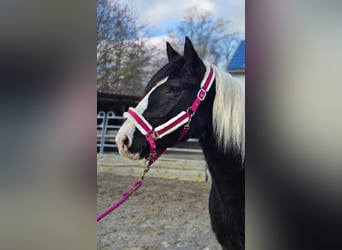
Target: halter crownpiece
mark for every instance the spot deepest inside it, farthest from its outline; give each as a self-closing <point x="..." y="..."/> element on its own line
<point x="183" y="118"/>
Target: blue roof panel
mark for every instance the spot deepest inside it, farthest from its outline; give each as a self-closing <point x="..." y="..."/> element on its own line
<point x="238" y="59"/>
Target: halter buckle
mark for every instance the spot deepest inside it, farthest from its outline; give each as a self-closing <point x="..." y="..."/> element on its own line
<point x="201" y="94"/>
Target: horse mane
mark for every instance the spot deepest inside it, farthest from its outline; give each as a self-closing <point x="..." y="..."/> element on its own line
<point x="229" y="112"/>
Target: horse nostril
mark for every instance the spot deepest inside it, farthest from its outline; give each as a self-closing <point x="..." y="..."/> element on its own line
<point x="126" y="141"/>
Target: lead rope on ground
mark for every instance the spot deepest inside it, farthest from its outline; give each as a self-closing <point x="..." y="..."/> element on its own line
<point x="136" y="185"/>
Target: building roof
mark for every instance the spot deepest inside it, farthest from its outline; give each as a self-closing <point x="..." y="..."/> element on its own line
<point x="117" y="93"/>
<point x="237" y="62"/>
<point x="116" y="101"/>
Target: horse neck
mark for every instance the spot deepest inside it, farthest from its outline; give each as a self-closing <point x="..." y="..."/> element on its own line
<point x="225" y="165"/>
<point x="226" y="168"/>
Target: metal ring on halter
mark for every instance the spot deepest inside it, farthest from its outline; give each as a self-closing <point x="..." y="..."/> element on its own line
<point x="187" y="125"/>
<point x="153" y="135"/>
<point x="191" y="112"/>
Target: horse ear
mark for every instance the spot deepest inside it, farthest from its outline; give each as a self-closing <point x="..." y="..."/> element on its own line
<point x="191" y="55"/>
<point x="171" y="53"/>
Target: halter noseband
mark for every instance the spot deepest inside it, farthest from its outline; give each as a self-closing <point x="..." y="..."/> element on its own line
<point x="183" y="118"/>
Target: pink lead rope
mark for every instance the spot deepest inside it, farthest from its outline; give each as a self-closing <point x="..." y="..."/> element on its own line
<point x="183" y="118"/>
<point x="137" y="184"/>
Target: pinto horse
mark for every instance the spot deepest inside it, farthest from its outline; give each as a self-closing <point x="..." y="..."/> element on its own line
<point x="212" y="110"/>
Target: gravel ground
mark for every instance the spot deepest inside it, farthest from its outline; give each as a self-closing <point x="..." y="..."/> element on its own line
<point x="162" y="214"/>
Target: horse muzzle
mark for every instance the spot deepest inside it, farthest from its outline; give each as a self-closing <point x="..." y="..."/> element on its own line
<point x="124" y="142"/>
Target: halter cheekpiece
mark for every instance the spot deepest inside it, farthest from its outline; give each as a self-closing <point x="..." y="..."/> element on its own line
<point x="183" y="118"/>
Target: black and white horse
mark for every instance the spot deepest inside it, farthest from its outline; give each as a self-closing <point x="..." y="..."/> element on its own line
<point x="219" y="124"/>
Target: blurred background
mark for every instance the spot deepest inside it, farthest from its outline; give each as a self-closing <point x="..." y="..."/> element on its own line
<point x="293" y="112"/>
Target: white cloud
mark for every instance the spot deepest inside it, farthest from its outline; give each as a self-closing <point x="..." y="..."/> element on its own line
<point x="162" y="13"/>
<point x="237" y="15"/>
<point x="156" y="11"/>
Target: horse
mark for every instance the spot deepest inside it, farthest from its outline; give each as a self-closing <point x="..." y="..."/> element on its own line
<point x="177" y="106"/>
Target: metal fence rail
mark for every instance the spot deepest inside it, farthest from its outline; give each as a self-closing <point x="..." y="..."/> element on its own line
<point x="101" y="119"/>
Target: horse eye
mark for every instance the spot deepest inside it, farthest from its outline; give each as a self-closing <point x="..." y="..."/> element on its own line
<point x="175" y="89"/>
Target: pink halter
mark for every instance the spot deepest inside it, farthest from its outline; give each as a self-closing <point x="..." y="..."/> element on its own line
<point x="183" y="118"/>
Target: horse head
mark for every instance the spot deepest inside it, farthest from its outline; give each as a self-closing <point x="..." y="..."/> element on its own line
<point x="170" y="91"/>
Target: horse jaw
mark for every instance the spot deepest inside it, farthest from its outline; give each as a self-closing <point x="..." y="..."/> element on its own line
<point x="125" y="134"/>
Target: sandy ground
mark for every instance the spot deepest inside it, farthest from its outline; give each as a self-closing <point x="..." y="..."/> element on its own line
<point x="162" y="214"/>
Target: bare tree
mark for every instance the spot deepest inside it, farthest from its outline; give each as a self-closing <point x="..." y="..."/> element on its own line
<point x="208" y="34"/>
<point x="122" y="55"/>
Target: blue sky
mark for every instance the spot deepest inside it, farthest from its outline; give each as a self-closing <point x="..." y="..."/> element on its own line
<point x="162" y="15"/>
